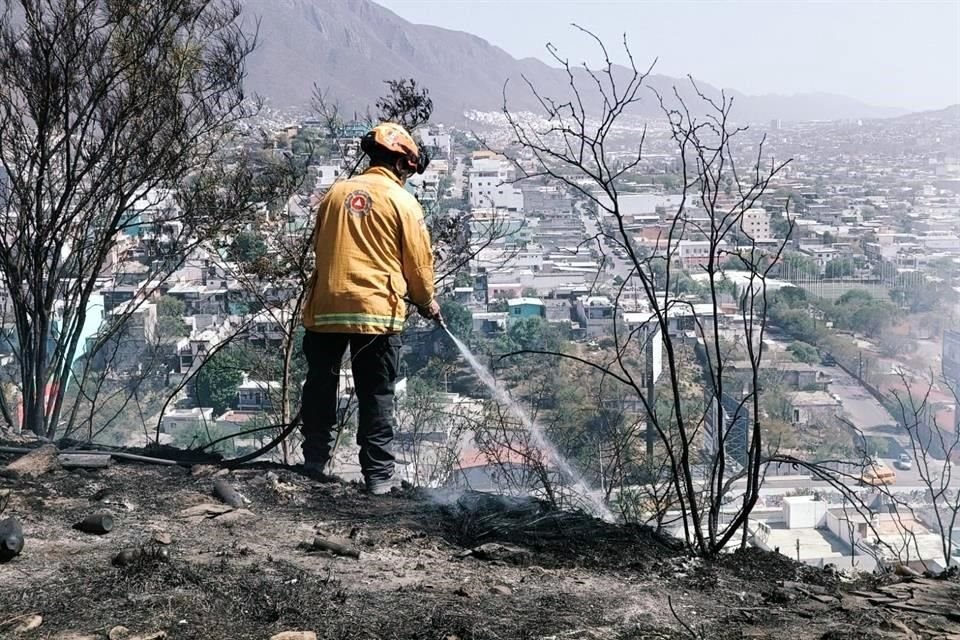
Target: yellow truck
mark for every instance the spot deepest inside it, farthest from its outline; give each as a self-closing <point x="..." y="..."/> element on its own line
<point x="876" y="474"/>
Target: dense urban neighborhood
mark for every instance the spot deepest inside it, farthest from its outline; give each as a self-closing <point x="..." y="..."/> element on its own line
<point x="861" y="294"/>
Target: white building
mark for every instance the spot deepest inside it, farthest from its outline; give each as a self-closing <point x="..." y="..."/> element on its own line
<point x="642" y="204"/>
<point x="327" y="174"/>
<point x="694" y="253"/>
<point x="437" y="143"/>
<point x="257" y="395"/>
<point x="756" y="223"/>
<point x="596" y="315"/>
<point x="821" y="253"/>
<point x="176" y="421"/>
<point x="491" y="185"/>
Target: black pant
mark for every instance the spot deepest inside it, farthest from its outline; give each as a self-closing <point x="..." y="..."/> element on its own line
<point x="374" y="360"/>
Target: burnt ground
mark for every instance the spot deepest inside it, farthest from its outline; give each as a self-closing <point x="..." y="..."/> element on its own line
<point x="538" y="575"/>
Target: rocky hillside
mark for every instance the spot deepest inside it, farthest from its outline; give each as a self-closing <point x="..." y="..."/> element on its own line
<point x="298" y="559"/>
<point x="349" y="47"/>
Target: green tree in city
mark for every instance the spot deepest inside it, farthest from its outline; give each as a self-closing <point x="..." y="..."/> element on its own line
<point x="170" y="323"/>
<point x="839" y="268"/>
<point x="459" y="322"/>
<point x="924" y="296"/>
<point x="534" y="334"/>
<point x="217" y="381"/>
<point x="683" y="283"/>
<point x="170" y="307"/>
<point x="858" y="310"/>
<point x="458" y="319"/>
<point x="789" y="309"/>
<point x="804" y="352"/>
<point x="780" y="226"/>
<point x="798" y="265"/>
<point x="248" y="247"/>
<point x="200" y="435"/>
<point x="463" y="279"/>
<point x="498" y="305"/>
<point x="790" y="297"/>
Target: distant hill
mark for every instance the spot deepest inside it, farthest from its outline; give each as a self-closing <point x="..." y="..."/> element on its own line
<point x="349" y="47"/>
<point x="947" y="113"/>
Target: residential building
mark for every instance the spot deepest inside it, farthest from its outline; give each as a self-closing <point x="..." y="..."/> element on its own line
<point x="797" y="376"/>
<point x="436" y="142"/>
<point x="134" y="333"/>
<point x="822" y="254"/>
<point x="638" y="204"/>
<point x="201" y="298"/>
<point x="523" y="308"/>
<point x="695" y="253"/>
<point x="813" y="408"/>
<point x="327" y="174"/>
<point x="490" y="322"/>
<point x="491" y="185"/>
<point x="257" y="395"/>
<point x="184" y="421"/>
<point x="756" y="223"/>
<point x="193" y="351"/>
<point x="595" y="315"/>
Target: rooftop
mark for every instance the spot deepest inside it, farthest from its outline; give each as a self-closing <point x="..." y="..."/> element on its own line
<point x="516" y="302"/>
<point x="812" y="398"/>
<point x="809" y="543"/>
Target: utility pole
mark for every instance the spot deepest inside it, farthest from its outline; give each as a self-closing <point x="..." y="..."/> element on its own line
<point x="603" y="488"/>
<point x="651" y="396"/>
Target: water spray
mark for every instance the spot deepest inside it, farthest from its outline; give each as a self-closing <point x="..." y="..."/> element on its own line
<point x="594" y="501"/>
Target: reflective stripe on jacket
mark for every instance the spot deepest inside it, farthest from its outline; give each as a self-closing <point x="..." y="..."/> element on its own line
<point x="372" y="251"/>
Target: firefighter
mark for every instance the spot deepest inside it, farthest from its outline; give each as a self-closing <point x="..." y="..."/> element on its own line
<point x="373" y="255"/>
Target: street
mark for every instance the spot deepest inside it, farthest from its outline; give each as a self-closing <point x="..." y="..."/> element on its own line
<point x="860" y="408"/>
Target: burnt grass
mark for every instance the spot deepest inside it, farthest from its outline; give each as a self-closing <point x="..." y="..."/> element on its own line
<point x="559" y="574"/>
<point x="225" y="601"/>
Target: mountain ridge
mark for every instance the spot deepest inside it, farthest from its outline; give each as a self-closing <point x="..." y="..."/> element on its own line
<point x="348" y="48"/>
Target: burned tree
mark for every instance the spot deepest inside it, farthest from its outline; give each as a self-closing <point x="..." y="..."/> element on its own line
<point x="405" y="103"/>
<point x="101" y="104"/>
<point x="693" y="421"/>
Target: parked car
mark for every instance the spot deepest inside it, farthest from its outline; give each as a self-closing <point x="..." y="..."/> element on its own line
<point x="904" y="462"/>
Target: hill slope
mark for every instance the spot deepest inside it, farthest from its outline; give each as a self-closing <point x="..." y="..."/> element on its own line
<point x="947" y="114"/>
<point x="424" y="565"/>
<point x="350" y="47"/>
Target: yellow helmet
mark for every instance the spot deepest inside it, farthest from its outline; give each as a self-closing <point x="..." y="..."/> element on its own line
<point x="394" y="138"/>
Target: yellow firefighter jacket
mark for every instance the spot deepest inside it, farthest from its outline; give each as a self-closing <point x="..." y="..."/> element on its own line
<point x="372" y="252"/>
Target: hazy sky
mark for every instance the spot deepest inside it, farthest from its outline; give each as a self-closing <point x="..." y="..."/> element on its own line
<point x="892" y="53"/>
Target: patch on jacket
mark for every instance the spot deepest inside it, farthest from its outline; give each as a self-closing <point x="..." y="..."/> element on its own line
<point x="358" y="203"/>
